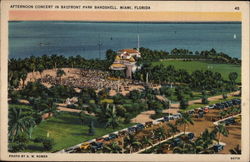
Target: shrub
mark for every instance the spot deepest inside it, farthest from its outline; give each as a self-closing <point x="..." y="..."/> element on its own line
<point x="183" y="104"/>
<point x="213" y="92"/>
<point x="204" y="100"/>
<point x="19" y="143"/>
<point x="224" y="96"/>
<point x="39" y="139"/>
<point x="17" y="147"/>
<point x="91" y="129"/>
<point x="48" y="144"/>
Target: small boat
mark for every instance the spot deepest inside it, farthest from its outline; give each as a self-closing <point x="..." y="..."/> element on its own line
<point x="234" y="36"/>
<point x="44" y="44"/>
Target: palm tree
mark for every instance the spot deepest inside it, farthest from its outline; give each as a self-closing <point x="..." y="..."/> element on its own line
<point x="197" y="145"/>
<point x="40" y="68"/>
<point x="60" y="73"/>
<point x="145" y="141"/>
<point x="223" y="114"/>
<point x="221" y="129"/>
<point x="19" y="123"/>
<point x="206" y="139"/>
<point x="185" y="120"/>
<point x="131" y="142"/>
<point x="32" y="65"/>
<point x="112" y="147"/>
<point x="112" y="119"/>
<point x="232" y="77"/>
<point x="52" y="109"/>
<point x="160" y="133"/>
<point x="173" y="129"/>
<point x="82" y="117"/>
<point x="184" y="148"/>
<point x="23" y="76"/>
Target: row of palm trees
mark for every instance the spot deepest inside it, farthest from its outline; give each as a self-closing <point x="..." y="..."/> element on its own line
<point x="202" y="144"/>
<point x="154" y="55"/>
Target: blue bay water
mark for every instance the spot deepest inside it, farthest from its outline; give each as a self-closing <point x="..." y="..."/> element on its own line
<point x="27" y="38"/>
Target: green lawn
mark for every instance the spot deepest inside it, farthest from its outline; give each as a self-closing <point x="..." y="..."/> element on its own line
<point x="191" y="66"/>
<point x="66" y="130"/>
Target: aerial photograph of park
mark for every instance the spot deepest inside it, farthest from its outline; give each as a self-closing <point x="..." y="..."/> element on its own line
<point x="124" y="87"/>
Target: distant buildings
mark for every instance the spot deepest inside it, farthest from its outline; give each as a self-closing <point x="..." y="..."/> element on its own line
<point x="128" y="53"/>
<point x="125" y="60"/>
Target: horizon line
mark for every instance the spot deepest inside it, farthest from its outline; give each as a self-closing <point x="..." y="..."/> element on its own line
<point x="142" y="22"/>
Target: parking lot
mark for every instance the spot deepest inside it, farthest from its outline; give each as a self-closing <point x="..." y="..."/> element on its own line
<point x="203" y="118"/>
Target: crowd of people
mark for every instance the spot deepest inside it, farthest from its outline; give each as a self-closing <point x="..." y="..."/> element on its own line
<point x="95" y="79"/>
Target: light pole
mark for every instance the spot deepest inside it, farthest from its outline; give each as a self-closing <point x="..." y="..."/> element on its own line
<point x="99" y="46"/>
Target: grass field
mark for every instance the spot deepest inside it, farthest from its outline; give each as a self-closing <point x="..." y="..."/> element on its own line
<point x="191" y="66"/>
<point x="66" y="129"/>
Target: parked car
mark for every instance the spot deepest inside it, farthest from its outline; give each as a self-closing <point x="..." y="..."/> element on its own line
<point x="132" y="129"/>
<point x="106" y="138"/>
<point x="161" y="120"/>
<point x="236" y="101"/>
<point x="211" y="106"/>
<point x="112" y="136"/>
<point x="85" y="145"/>
<point x="122" y="133"/>
<point x="100" y="139"/>
<point x="165" y="118"/>
<point x="200" y="114"/>
<point x="206" y="110"/>
<point x="221" y="106"/>
<point x="226" y="104"/>
<point x="148" y="124"/>
<point x="190" y="136"/>
<point x="177" y="116"/>
<point x="191" y="111"/>
<point x="218" y="147"/>
<point x="96" y="145"/>
<point x="171" y="117"/>
<point x="140" y="126"/>
<point x="176" y="142"/>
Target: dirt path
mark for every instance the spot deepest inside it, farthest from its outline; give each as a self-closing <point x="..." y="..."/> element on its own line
<point x="214" y="98"/>
<point x="174" y="108"/>
<point x="68" y="109"/>
<point x="63" y="107"/>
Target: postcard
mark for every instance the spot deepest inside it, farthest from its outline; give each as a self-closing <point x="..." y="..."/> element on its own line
<point x="124" y="81"/>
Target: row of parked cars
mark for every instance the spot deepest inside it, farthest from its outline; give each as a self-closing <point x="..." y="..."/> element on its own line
<point x="168" y="118"/>
<point x="176" y="141"/>
<point x="97" y="144"/>
<point x="226" y="104"/>
<point x="199" y="112"/>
